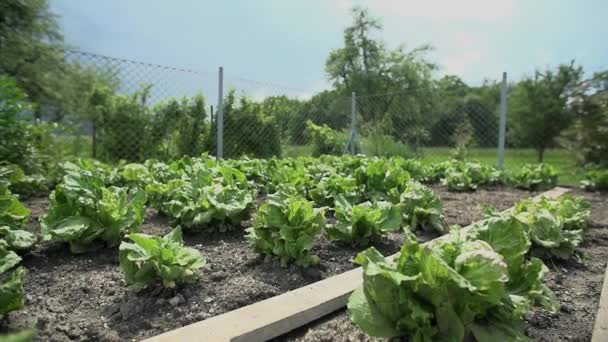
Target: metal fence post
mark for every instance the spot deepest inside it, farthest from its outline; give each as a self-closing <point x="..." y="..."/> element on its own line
<point x="220" y="115"/>
<point x="502" y="129"/>
<point x="353" y="123"/>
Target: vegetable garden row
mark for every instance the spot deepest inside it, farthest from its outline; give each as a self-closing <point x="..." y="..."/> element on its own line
<point x="475" y="285"/>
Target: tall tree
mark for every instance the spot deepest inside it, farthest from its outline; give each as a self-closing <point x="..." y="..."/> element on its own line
<point x="30" y="48"/>
<point x="588" y="137"/>
<point x="366" y="66"/>
<point x="539" y="111"/>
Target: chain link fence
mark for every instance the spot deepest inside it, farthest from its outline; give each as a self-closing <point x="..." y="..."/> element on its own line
<point x="133" y="111"/>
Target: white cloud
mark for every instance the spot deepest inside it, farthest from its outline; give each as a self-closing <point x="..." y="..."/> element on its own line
<point x="460" y="64"/>
<point x="435" y="10"/>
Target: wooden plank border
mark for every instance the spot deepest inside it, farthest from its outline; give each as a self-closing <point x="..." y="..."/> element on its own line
<point x="278" y="315"/>
<point x="600" y="328"/>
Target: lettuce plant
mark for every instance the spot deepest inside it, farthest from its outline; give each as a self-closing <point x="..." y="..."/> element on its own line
<point x="13" y="215"/>
<point x="382" y="179"/>
<point x="595" y="180"/>
<point x="459" y="181"/>
<point x="209" y="207"/>
<point x="422" y="208"/>
<point x="83" y="211"/>
<point x="555" y="227"/>
<point x="362" y="223"/>
<point x="150" y="259"/>
<point x="534" y="177"/>
<point x="11" y="282"/>
<point x="451" y="290"/>
<point x="328" y="188"/>
<point x="285" y="227"/>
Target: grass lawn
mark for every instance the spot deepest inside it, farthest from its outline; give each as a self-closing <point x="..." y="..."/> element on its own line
<point x="564" y="160"/>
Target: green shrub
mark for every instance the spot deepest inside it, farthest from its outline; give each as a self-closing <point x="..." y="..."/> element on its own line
<point x="381" y="145"/>
<point x="326" y="140"/>
<point x="17" y="142"/>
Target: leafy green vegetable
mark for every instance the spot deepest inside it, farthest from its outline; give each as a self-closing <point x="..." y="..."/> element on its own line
<point x="285" y="228"/>
<point x="153" y="259"/>
<point x="382" y="179"/>
<point x="534" y="177"/>
<point x="84" y="211"/>
<point x="209" y="207"/>
<point x="13" y="215"/>
<point x="466" y="175"/>
<point x="328" y="188"/>
<point x="555" y="226"/>
<point x="11" y="284"/>
<point x="362" y="223"/>
<point x="595" y="180"/>
<point x="459" y="181"/>
<point x="422" y="208"/>
<point x="450" y="289"/>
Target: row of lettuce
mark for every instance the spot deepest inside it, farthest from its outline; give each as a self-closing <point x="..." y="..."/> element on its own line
<point x="364" y="198"/>
<point x="457" y="175"/>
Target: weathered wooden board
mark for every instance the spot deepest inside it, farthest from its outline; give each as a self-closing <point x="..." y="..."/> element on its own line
<point x="600" y="329"/>
<point x="278" y="315"/>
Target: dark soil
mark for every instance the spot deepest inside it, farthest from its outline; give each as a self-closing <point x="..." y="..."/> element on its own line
<point x="83" y="297"/>
<point x="577" y="283"/>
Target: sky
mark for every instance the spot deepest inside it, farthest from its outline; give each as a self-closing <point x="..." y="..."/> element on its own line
<point x="281" y="46"/>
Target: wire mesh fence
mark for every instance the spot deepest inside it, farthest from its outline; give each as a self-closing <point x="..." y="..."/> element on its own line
<point x="134" y="111"/>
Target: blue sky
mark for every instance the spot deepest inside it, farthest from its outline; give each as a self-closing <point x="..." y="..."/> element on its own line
<point x="285" y="43"/>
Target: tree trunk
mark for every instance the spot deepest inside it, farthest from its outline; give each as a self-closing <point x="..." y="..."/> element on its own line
<point x="541" y="154"/>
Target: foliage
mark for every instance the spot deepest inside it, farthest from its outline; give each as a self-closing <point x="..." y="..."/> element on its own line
<point x="11" y="284"/>
<point x="13" y="216"/>
<point x="596" y="179"/>
<point x="151" y="259"/>
<point x="588" y="136"/>
<point x="18" y="182"/>
<point x="534" y="177"/>
<point x="205" y="204"/>
<point x="249" y="130"/>
<point x="422" y="208"/>
<point x="180" y="128"/>
<point x="383" y="179"/>
<point x="538" y="107"/>
<point x="326" y="190"/>
<point x="326" y="140"/>
<point x="364" y="65"/>
<point x="462" y="175"/>
<point x="555" y="227"/>
<point x="285" y="227"/>
<point x="123" y="126"/>
<point x="383" y="145"/>
<point x="451" y="289"/>
<point x="83" y="211"/>
<point x="17" y="143"/>
<point x="359" y="224"/>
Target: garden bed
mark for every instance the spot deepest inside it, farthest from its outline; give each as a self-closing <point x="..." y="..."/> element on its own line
<point x="83" y="297"/>
<point x="577" y="284"/>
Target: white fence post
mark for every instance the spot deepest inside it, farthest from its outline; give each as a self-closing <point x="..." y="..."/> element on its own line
<point x="502" y="129"/>
<point x="220" y="115"/>
<point x="353" y="123"/>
